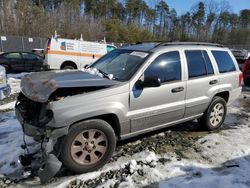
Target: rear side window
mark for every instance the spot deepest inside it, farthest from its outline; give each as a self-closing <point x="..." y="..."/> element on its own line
<point x="198" y="63"/>
<point x="30" y="56"/>
<point x="166" y="66"/>
<point x="13" y="55"/>
<point x="210" y="69"/>
<point x="224" y="61"/>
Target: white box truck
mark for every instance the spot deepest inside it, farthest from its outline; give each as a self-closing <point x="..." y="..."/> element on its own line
<point x="73" y="54"/>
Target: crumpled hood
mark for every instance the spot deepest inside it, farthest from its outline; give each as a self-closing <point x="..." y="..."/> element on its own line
<point x="39" y="86"/>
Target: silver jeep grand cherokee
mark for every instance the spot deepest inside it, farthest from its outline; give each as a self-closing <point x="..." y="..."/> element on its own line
<point x="80" y="115"/>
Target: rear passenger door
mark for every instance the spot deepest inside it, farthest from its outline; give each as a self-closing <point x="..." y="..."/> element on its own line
<point x="201" y="82"/>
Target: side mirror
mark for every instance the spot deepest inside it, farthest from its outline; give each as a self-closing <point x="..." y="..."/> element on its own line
<point x="86" y="66"/>
<point x="151" y="81"/>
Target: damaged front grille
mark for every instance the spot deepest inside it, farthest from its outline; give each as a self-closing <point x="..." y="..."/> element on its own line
<point x="32" y="112"/>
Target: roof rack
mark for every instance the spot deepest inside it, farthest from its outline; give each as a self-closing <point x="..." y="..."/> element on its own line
<point x="169" y="43"/>
<point x="190" y="43"/>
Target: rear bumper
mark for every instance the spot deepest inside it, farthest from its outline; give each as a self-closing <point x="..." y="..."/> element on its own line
<point x="5" y="92"/>
<point x="234" y="94"/>
<point x="46" y="67"/>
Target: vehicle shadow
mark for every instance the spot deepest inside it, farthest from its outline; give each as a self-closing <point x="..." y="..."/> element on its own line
<point x="232" y="173"/>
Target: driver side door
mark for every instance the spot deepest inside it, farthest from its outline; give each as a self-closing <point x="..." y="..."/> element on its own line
<point x="155" y="106"/>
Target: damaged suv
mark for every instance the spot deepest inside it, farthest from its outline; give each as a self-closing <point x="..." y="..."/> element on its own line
<point x="78" y="116"/>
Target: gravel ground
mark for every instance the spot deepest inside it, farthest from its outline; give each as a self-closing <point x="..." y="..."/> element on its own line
<point x="9" y="99"/>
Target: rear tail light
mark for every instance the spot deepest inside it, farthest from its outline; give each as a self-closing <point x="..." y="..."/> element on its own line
<point x="48" y="46"/>
<point x="241" y="79"/>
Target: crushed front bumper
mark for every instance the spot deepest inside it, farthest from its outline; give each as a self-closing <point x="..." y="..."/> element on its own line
<point x="48" y="136"/>
<point x="5" y="92"/>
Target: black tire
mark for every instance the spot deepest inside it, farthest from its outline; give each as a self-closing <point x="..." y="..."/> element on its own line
<point x="67" y="67"/>
<point x="74" y="131"/>
<point x="247" y="81"/>
<point x="206" y="120"/>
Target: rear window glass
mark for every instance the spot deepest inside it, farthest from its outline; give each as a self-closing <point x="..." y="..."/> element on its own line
<point x="224" y="61"/>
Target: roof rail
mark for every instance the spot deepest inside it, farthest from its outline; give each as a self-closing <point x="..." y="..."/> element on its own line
<point x="169" y="43"/>
<point x="189" y="43"/>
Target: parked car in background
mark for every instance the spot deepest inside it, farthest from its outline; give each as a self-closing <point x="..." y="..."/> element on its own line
<point x="63" y="53"/>
<point x="241" y="56"/>
<point x="246" y="72"/>
<point x="79" y="115"/>
<point x="22" y="62"/>
<point x="4" y="87"/>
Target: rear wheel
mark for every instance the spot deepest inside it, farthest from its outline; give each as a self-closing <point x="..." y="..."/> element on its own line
<point x="247" y="81"/>
<point x="214" y="115"/>
<point x="88" y="146"/>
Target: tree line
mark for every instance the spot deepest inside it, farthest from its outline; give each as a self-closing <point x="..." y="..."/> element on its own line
<point x="125" y="20"/>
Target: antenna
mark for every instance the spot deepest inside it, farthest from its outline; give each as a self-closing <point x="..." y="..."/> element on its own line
<point x="56" y="35"/>
<point x="81" y="39"/>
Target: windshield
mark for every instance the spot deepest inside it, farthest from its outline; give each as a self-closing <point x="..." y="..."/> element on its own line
<point x="122" y="64"/>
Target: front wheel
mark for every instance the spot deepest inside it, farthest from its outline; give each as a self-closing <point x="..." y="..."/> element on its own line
<point x="88" y="146"/>
<point x="215" y="115"/>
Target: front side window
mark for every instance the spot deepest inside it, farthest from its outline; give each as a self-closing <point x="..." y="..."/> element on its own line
<point x="110" y="48"/>
<point x="166" y="66"/>
<point x="224" y="61"/>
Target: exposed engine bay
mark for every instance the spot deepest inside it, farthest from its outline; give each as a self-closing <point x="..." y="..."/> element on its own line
<point x="33" y="112"/>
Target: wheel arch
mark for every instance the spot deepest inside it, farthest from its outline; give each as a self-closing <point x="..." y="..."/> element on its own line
<point x="224" y="95"/>
<point x="110" y="118"/>
<point x="68" y="63"/>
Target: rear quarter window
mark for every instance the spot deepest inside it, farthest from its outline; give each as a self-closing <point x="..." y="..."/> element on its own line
<point x="224" y="61"/>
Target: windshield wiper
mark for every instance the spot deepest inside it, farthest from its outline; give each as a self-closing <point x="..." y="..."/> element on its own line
<point x="106" y="75"/>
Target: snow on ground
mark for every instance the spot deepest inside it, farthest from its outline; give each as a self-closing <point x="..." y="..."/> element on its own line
<point x="227" y="165"/>
<point x="8" y="106"/>
<point x="11" y="138"/>
<point x="14" y="81"/>
<point x="223" y="159"/>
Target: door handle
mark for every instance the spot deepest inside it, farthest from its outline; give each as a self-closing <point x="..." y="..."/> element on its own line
<point x="178" y="89"/>
<point x="212" y="82"/>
